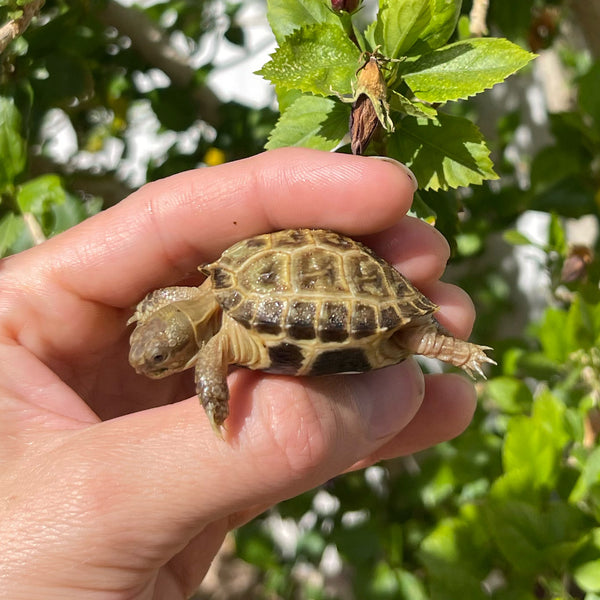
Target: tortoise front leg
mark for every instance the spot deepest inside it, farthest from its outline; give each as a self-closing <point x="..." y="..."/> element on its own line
<point x="233" y="344"/>
<point x="211" y="381"/>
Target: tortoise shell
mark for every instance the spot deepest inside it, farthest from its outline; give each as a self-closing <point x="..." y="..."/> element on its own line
<point x="320" y="302"/>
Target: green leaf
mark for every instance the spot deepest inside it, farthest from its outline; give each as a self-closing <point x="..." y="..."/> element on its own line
<point x="509" y="393"/>
<point x="518" y="529"/>
<point x="72" y="211"/>
<point x="557" y="238"/>
<point x="553" y="164"/>
<point x="317" y="59"/>
<point x="587" y="576"/>
<point x="12" y="145"/>
<point x="285" y="97"/>
<point x="441" y="26"/>
<point x="311" y="122"/>
<point x="589" y="93"/>
<point x="580" y="330"/>
<point x="285" y="16"/>
<point x="422" y="210"/>
<point x="11" y="227"/>
<point x="444" y="553"/>
<point x="38" y="194"/>
<point x="400" y="103"/>
<point x="464" y="68"/>
<point x="410" y="586"/>
<point x="589" y="480"/>
<point x="552" y="335"/>
<point x="399" y="24"/>
<point x="533" y="445"/>
<point x="516" y="238"/>
<point x="444" y="153"/>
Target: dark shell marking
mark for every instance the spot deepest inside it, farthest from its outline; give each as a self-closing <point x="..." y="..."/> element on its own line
<point x="343" y="360"/>
<point x="316" y="298"/>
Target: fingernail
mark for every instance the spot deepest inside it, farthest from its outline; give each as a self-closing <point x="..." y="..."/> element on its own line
<point x="402" y="167"/>
<point x="393" y="396"/>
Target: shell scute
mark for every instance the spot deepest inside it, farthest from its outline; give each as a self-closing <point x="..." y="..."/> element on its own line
<point x="389" y="317"/>
<point x="268" y="317"/>
<point x="333" y="324"/>
<point x="333" y="239"/>
<point x="318" y="271"/>
<point x="364" y="321"/>
<point x="366" y="276"/>
<point x="291" y="238"/>
<point x="266" y="273"/>
<point x="301" y="319"/>
<point x="244" y="313"/>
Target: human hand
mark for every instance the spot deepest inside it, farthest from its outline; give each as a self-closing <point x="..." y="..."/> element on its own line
<point x="113" y="485"/>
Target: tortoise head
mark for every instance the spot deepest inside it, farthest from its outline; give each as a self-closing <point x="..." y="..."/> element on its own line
<point x="168" y="341"/>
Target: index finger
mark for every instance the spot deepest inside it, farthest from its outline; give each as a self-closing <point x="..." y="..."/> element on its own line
<point x="165" y="229"/>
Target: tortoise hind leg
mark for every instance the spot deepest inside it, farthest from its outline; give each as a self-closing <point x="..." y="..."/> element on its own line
<point x="434" y="341"/>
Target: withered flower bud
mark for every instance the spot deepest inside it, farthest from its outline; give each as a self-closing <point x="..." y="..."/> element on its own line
<point x="347" y="5"/>
<point x="370" y="105"/>
<point x="363" y="123"/>
<point x="576" y="264"/>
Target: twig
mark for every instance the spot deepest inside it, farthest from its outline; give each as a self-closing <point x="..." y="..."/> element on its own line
<point x="34" y="228"/>
<point x="477" y="18"/>
<point x="9" y="31"/>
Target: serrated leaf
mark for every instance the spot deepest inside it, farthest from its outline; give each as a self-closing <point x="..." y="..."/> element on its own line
<point x="285" y="16"/>
<point x="402" y="104"/>
<point x="464" y="68"/>
<point x="12" y="145"/>
<point x="447" y="152"/>
<point x="316" y="59"/>
<point x="311" y="122"/>
<point x="369" y="35"/>
<point x="285" y="97"/>
<point x="400" y="23"/>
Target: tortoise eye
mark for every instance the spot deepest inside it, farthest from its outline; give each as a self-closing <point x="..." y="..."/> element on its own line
<point x="158" y="358"/>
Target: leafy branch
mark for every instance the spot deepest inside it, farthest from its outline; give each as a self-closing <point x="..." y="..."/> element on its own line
<point x="398" y="72"/>
<point x="16" y="26"/>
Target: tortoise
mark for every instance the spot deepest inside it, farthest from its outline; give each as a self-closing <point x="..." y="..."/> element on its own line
<point x="293" y="302"/>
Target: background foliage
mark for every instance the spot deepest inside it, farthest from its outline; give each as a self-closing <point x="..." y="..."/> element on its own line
<point x="511" y="509"/>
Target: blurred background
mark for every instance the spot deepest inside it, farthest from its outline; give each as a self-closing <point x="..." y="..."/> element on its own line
<point x="97" y="98"/>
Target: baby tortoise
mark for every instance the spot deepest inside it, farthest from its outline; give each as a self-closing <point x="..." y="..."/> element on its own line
<point x="295" y="302"/>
